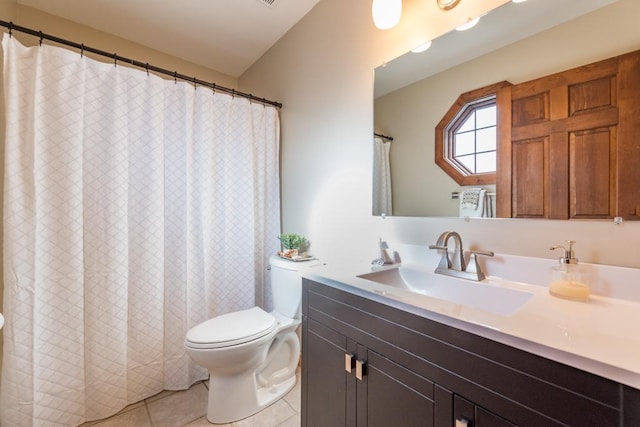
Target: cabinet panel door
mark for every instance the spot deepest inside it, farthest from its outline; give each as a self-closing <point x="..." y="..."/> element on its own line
<point x="570" y="171"/>
<point x="485" y="418"/>
<point x="328" y="392"/>
<point x="592" y="183"/>
<point x="530" y="168"/>
<point x="394" y="395"/>
<point x="475" y="416"/>
<point x="628" y="155"/>
<point x="631" y="406"/>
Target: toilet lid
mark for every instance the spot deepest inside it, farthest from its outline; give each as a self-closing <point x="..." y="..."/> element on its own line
<point x="232" y="328"/>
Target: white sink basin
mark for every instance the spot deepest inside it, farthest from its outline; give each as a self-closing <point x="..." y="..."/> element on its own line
<point x="480" y="295"/>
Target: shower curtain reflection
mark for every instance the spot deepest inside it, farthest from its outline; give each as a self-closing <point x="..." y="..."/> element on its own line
<point x="382" y="200"/>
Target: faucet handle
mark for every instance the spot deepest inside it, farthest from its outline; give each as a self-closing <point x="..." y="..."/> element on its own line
<point x="473" y="266"/>
<point x="479" y="252"/>
<point x="445" y="262"/>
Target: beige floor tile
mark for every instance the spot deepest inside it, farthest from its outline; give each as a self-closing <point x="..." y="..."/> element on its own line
<point x="294" y="397"/>
<point x="188" y="409"/>
<point x="133" y="418"/>
<point x="268" y="417"/>
<point x="203" y="422"/>
<point x="294" y="421"/>
<point x="179" y="408"/>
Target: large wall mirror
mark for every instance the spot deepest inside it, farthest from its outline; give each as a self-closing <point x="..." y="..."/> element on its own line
<point x="516" y="42"/>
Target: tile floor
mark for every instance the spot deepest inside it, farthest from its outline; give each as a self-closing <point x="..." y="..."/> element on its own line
<point x="188" y="409"/>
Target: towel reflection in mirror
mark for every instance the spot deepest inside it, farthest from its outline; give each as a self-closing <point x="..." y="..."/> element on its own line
<point x="476" y="202"/>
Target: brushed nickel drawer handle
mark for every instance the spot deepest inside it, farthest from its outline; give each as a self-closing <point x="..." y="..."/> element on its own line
<point x="359" y="369"/>
<point x="349" y="362"/>
<point x="462" y="422"/>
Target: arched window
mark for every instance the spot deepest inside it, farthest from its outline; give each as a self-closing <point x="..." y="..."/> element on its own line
<point x="466" y="137"/>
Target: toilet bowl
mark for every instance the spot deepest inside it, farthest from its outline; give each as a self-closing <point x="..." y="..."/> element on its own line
<point x="251" y="355"/>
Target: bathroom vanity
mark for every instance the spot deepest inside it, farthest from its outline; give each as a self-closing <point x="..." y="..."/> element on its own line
<point x="374" y="360"/>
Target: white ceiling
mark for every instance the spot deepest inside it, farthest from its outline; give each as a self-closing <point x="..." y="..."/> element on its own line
<point x="224" y="35"/>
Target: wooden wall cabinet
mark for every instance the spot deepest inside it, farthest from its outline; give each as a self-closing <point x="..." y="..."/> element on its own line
<point x="569" y="143"/>
<point x="409" y="370"/>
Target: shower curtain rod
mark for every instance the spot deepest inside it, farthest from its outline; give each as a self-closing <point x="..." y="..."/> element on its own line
<point x="388" y="138"/>
<point x="145" y="65"/>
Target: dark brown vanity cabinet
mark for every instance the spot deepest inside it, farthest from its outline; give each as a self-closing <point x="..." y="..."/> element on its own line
<point x="350" y="385"/>
<point x="369" y="361"/>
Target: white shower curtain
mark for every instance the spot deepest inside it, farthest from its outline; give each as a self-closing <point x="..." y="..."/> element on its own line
<point x="134" y="208"/>
<point x="381" y="177"/>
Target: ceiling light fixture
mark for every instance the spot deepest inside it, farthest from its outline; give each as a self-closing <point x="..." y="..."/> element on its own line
<point x="518" y="1"/>
<point x="469" y="24"/>
<point x="386" y="13"/>
<point x="422" y="47"/>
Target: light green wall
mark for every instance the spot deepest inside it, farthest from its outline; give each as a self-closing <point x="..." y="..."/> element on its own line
<point x="322" y="71"/>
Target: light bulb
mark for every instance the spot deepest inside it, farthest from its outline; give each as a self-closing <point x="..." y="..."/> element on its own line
<point x="386" y="13"/>
<point x="422" y="47"/>
<point x="470" y="24"/>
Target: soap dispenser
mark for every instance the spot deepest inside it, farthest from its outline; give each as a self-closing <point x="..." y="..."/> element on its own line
<point x="567" y="278"/>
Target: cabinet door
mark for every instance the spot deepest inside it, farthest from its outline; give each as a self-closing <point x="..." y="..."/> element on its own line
<point x="391" y="395"/>
<point x="467" y="414"/>
<point x="328" y="390"/>
<point x="562" y="145"/>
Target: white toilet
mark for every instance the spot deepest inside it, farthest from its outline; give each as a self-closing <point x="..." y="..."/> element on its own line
<point x="252" y="355"/>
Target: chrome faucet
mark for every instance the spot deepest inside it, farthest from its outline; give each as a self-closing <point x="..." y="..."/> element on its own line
<point x="446" y="263"/>
<point x="457" y="267"/>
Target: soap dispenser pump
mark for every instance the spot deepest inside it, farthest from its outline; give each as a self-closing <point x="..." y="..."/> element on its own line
<point x="567" y="281"/>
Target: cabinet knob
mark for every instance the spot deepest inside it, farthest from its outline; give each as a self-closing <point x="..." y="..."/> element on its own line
<point x="462" y="422"/>
<point x="349" y="362"/>
<point x="359" y="369"/>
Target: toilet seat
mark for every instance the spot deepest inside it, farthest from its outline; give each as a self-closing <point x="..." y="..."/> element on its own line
<point x="231" y="329"/>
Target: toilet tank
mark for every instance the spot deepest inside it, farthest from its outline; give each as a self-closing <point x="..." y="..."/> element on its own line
<point x="286" y="285"/>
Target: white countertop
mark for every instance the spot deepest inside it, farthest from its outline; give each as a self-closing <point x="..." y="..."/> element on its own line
<point x="599" y="336"/>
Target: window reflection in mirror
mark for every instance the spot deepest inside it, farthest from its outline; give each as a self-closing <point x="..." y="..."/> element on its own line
<point x="473" y="143"/>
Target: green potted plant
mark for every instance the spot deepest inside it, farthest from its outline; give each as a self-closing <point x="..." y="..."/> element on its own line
<point x="293" y="245"/>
